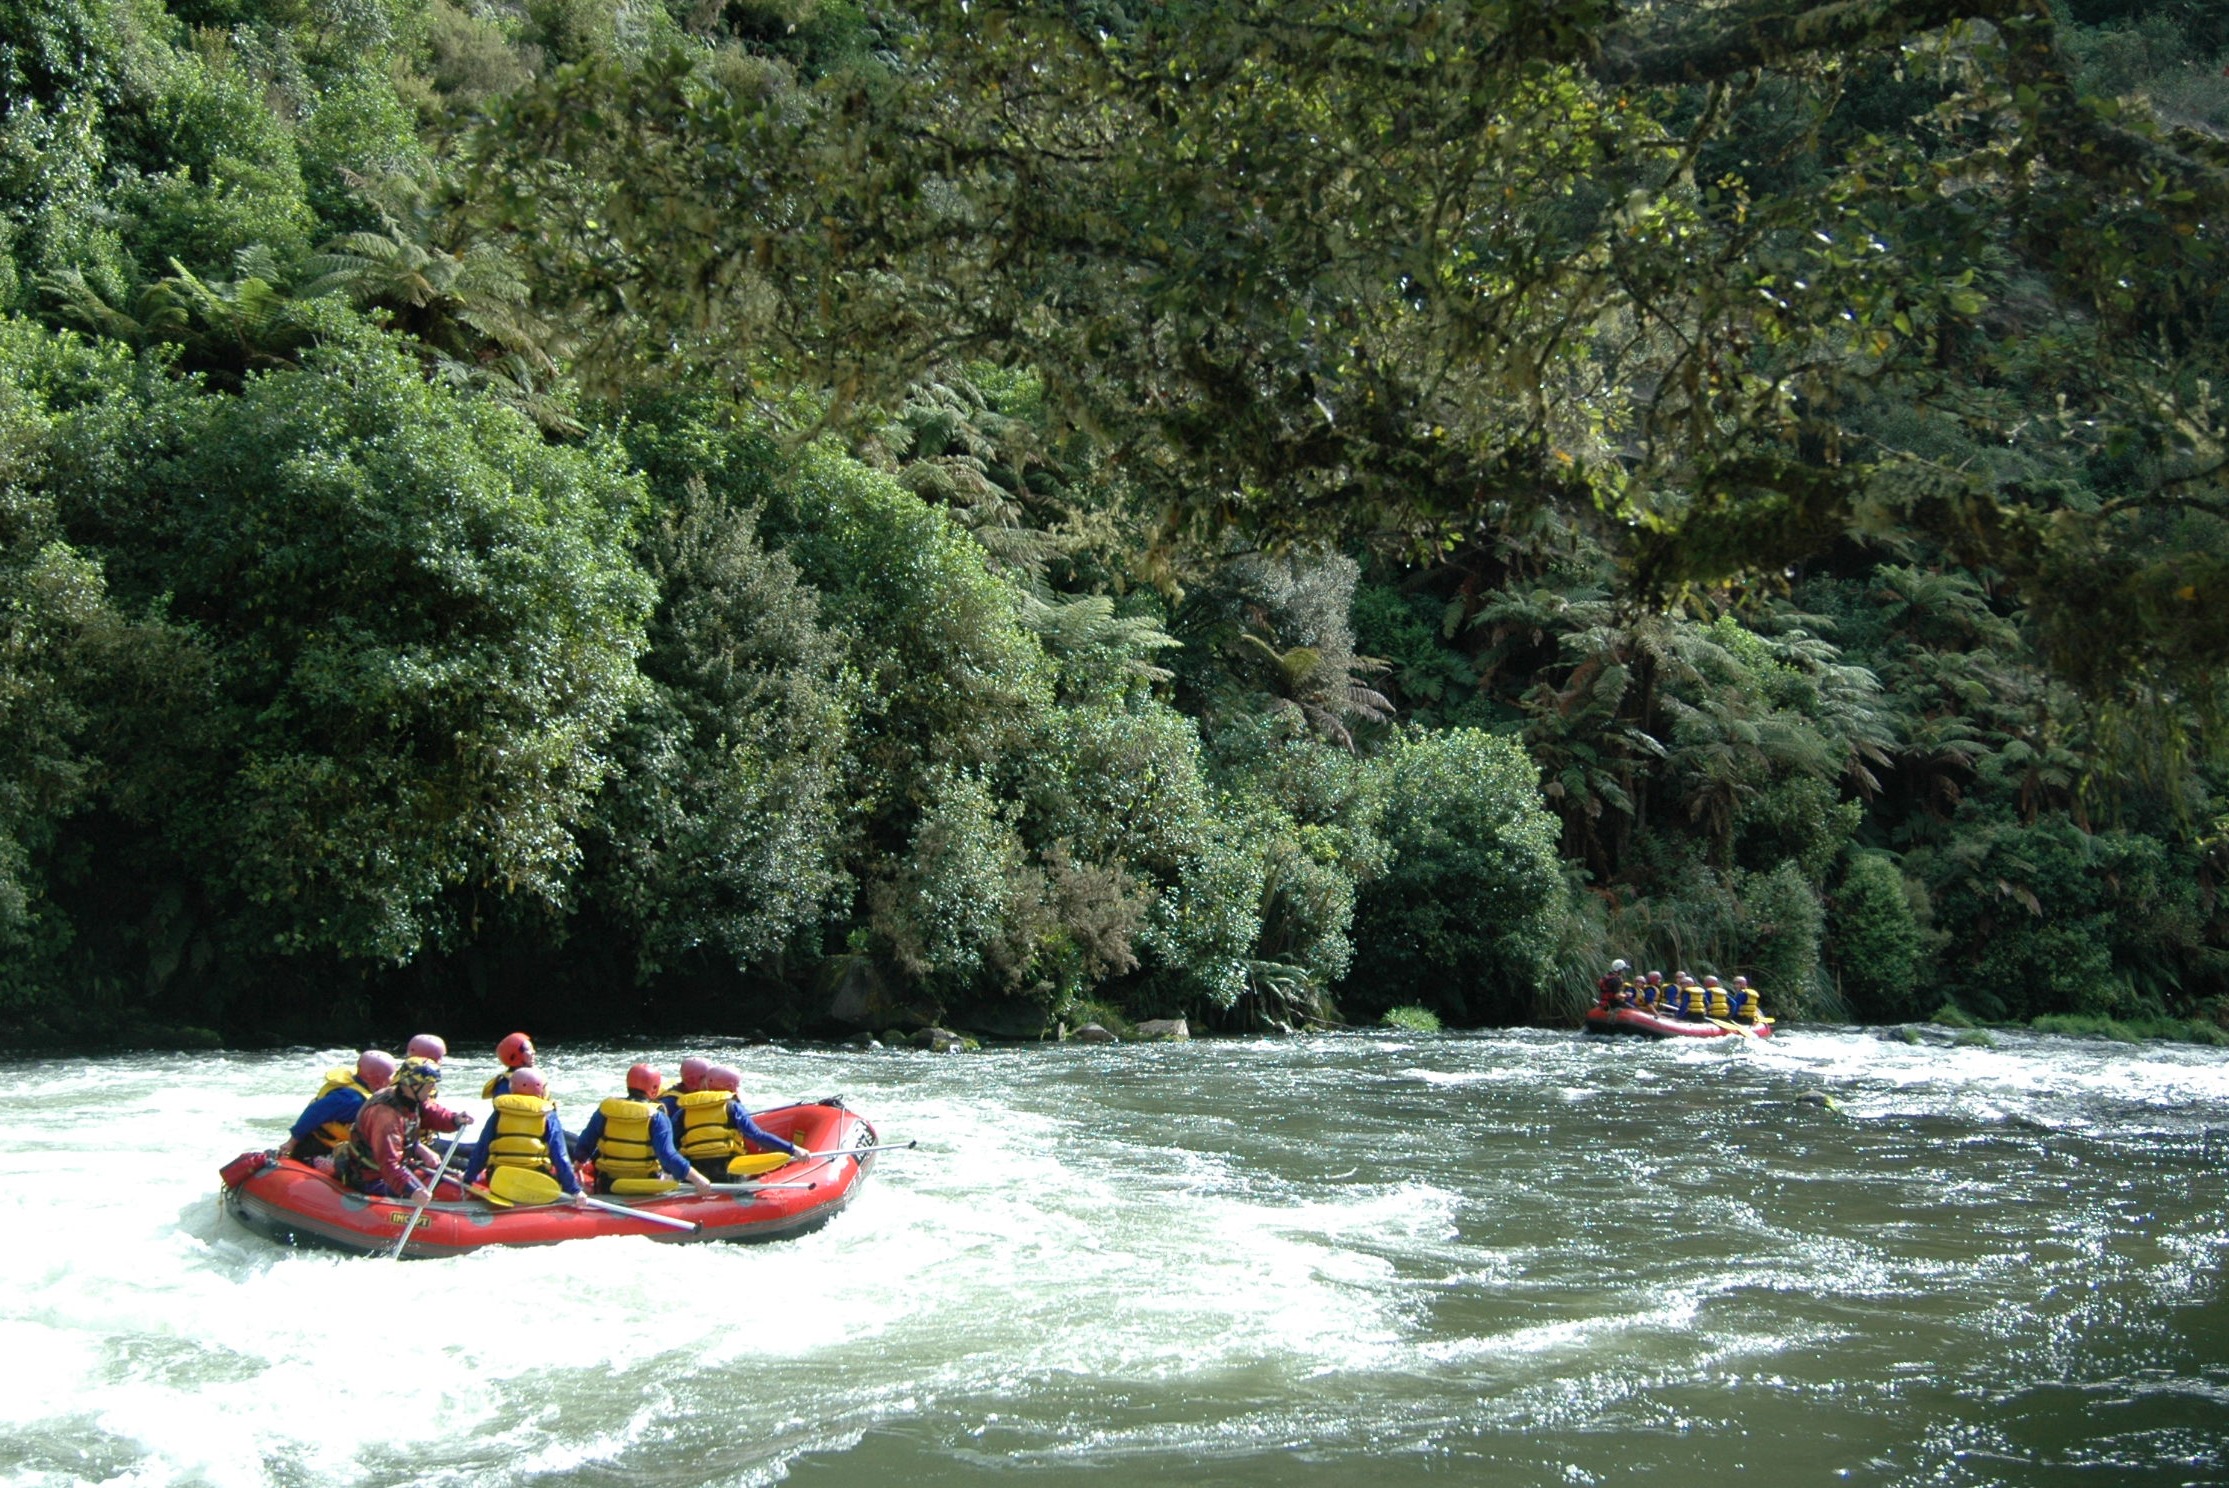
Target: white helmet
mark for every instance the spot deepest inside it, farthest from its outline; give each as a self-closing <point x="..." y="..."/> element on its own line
<point x="1619" y="966"/>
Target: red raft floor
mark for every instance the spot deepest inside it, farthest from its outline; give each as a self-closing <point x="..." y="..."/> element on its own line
<point x="1651" y="1025"/>
<point x="295" y="1204"/>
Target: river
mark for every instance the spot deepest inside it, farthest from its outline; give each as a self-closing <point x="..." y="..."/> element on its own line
<point x="1514" y="1258"/>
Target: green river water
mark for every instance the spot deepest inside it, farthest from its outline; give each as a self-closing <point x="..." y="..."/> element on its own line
<point x="1518" y="1258"/>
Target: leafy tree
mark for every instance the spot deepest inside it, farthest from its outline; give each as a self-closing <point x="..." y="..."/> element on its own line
<point x="2051" y="919"/>
<point x="1469" y="909"/>
<point x="217" y="172"/>
<point x="424" y="623"/>
<point x="1381" y="269"/>
<point x="1875" y="942"/>
<point x="1780" y="926"/>
<point x="721" y="833"/>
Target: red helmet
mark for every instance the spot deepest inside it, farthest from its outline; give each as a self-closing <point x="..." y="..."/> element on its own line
<point x="693" y="1071"/>
<point x="428" y="1046"/>
<point x="644" y="1080"/>
<point x="516" y="1051"/>
<point x="723" y="1078"/>
<point x="1655" y="977"/>
<point x="375" y="1067"/>
<point x="1710" y="981"/>
<point x="527" y="1080"/>
<point x="1741" y="981"/>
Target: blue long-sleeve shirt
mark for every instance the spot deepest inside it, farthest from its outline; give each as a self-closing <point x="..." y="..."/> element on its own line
<point x="741" y="1120"/>
<point x="340" y="1105"/>
<point x="661" y="1143"/>
<point x="553" y="1134"/>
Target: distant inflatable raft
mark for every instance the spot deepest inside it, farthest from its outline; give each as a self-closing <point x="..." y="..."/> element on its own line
<point x="1651" y="1025"/>
<point x="296" y="1204"/>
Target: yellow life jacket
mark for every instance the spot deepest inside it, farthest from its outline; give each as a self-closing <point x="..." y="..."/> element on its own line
<point x="704" y="1134"/>
<point x="488" y="1092"/>
<point x="624" y="1150"/>
<point x="521" y="1132"/>
<point x="1719" y="1007"/>
<point x="335" y="1133"/>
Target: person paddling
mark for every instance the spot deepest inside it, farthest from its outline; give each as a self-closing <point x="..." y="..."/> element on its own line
<point x="1613" y="990"/>
<point x="524" y="1133"/>
<point x="630" y="1136"/>
<point x="1742" y="1002"/>
<point x="713" y="1126"/>
<point x="1715" y="1002"/>
<point x="325" y="1122"/>
<point x="387" y="1130"/>
<point x="693" y="1072"/>
<point x="515" y="1053"/>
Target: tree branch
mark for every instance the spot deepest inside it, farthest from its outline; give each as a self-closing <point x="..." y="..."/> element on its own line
<point x="1770" y="33"/>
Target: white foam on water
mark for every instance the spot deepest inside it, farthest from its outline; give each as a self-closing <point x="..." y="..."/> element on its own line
<point x="1349" y="1248"/>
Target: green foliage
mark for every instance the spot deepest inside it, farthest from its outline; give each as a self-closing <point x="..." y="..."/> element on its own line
<point x="217" y="173"/>
<point x="1875" y="942"/>
<point x="1433" y="683"/>
<point x="1468" y="909"/>
<point x="1411" y="1020"/>
<point x="54" y="611"/>
<point x="1781" y="927"/>
<point x="1204" y="928"/>
<point x="425" y="622"/>
<point x="359" y="128"/>
<point x="1315" y="810"/>
<point x="1797" y="437"/>
<point x="722" y="830"/>
<point x="2084" y="1025"/>
<point x="471" y="59"/>
<point x="1275" y="635"/>
<point x="2131" y="1030"/>
<point x="2048" y="919"/>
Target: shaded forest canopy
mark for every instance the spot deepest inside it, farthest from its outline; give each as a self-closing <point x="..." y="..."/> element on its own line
<point x="796" y="514"/>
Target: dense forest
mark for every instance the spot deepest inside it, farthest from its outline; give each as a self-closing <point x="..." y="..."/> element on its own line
<point x="806" y="514"/>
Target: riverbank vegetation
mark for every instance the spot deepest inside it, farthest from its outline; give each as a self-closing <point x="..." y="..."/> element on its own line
<point x="803" y="514"/>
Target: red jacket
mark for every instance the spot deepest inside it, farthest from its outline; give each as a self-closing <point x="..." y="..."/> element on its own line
<point x="386" y="1130"/>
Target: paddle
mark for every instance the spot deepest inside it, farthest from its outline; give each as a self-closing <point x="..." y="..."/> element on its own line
<point x="751" y="1164"/>
<point x="644" y="1187"/>
<point x="755" y="1187"/>
<point x="748" y="1166"/>
<point x="526" y="1186"/>
<point x="1741" y="1028"/>
<point x="864" y="1151"/>
<point x="423" y="1199"/>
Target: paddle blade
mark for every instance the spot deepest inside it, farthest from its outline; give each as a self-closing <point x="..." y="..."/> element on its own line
<point x="524" y="1186"/>
<point x="756" y="1163"/>
<point x="643" y="1185"/>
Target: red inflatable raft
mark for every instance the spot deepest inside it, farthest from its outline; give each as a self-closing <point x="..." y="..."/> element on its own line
<point x="1652" y="1025"/>
<point x="296" y="1204"/>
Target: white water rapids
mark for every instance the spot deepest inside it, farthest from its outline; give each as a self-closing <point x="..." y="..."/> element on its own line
<point x="1520" y="1258"/>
